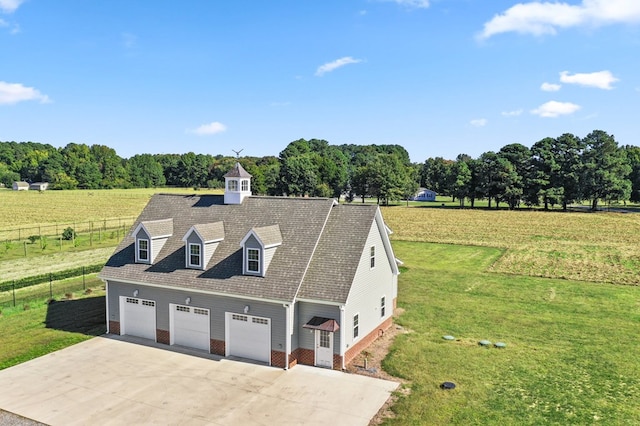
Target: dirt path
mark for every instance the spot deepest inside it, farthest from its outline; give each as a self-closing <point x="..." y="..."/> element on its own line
<point x="30" y="266"/>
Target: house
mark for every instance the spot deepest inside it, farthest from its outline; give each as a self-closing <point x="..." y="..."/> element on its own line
<point x="20" y="186"/>
<point x="276" y="280"/>
<point x="425" y="194"/>
<point x="39" y="186"/>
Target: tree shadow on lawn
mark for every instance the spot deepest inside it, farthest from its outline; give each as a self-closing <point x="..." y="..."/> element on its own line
<point x="86" y="316"/>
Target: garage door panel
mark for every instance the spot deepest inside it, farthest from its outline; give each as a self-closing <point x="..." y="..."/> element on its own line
<point x="191" y="327"/>
<point x="249" y="337"/>
<point x="139" y="317"/>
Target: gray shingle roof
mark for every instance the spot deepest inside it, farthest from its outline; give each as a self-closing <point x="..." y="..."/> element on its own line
<point x="210" y="231"/>
<point x="315" y="234"/>
<point x="269" y="235"/>
<point x="238" y="171"/>
<point x="336" y="258"/>
<point x="159" y="228"/>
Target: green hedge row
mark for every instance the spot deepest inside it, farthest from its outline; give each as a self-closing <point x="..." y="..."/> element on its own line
<point x="53" y="276"/>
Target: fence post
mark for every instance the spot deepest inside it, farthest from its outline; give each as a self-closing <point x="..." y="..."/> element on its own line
<point x="25" y="249"/>
<point x="84" y="284"/>
<point x="13" y="287"/>
<point x="50" y="286"/>
<point x="90" y="234"/>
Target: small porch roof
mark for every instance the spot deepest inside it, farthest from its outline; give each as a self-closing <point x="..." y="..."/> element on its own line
<point x="324" y="324"/>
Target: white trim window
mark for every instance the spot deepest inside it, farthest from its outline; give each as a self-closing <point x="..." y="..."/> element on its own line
<point x="356" y="326"/>
<point x="383" y="306"/>
<point x="232" y="185"/>
<point x="143" y="250"/>
<point x="372" y="257"/>
<point x="244" y="185"/>
<point x="195" y="255"/>
<point x="253" y="260"/>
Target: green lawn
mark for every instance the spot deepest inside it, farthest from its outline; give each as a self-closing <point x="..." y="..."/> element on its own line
<point x="35" y="329"/>
<point x="571" y="355"/>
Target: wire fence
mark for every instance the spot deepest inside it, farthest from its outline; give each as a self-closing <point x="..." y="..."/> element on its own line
<point x="50" y="286"/>
<point x="95" y="228"/>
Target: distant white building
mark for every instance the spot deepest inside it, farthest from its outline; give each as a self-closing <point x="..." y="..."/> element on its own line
<point x="425" y="194"/>
<point x="20" y="186"/>
<point x="39" y="186"/>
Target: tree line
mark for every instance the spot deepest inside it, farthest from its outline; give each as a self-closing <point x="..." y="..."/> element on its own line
<point x="554" y="171"/>
<point x="303" y="168"/>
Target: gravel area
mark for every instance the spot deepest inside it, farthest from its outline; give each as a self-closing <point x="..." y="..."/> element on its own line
<point x="10" y="419"/>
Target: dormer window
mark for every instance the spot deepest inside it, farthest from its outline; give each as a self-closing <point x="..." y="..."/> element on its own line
<point x="150" y="236"/>
<point x="258" y="248"/>
<point x="253" y="260"/>
<point x="143" y="250"/>
<point x="195" y="259"/>
<point x="201" y="242"/>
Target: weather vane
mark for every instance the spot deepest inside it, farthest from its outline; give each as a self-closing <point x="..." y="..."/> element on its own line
<point x="237" y="152"/>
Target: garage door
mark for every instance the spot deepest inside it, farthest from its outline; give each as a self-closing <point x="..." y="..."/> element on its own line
<point x="248" y="337"/>
<point x="189" y="326"/>
<point x="138" y="317"/>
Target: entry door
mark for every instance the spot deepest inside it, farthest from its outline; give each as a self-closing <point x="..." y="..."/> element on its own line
<point x="324" y="348"/>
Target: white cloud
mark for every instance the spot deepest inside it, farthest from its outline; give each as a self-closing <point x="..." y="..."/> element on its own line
<point x="600" y="79"/>
<point x="209" y="129"/>
<point x="9" y="6"/>
<point x="554" y="109"/>
<point x="514" y="113"/>
<point x="331" y="66"/>
<point x="12" y="93"/>
<point x="539" y="18"/>
<point x="418" y="4"/>
<point x="550" y="87"/>
<point x="479" y="122"/>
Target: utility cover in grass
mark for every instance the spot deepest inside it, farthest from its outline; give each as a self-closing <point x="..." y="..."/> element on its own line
<point x="484" y="343"/>
<point x="448" y="337"/>
<point x="500" y="345"/>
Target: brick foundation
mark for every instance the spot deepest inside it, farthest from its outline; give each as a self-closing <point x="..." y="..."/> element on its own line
<point x="217" y="347"/>
<point x="114" y="327"/>
<point x="162" y="336"/>
<point x="278" y="359"/>
<point x="305" y="356"/>
<point x="362" y="344"/>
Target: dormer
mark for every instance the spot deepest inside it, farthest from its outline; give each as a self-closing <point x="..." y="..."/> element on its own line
<point x="150" y="236"/>
<point x="237" y="185"/>
<point x="258" y="248"/>
<point x="201" y="242"/>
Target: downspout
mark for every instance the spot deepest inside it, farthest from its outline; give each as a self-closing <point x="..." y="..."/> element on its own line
<point x="287" y="344"/>
<point x="342" y="336"/>
<point x="106" y="299"/>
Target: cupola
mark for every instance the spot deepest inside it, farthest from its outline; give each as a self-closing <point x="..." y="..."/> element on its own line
<point x="237" y="185"/>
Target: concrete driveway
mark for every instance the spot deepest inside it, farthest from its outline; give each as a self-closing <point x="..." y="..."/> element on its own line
<point x="106" y="380"/>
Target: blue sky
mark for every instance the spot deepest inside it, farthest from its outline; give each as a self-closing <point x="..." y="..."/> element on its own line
<point x="439" y="77"/>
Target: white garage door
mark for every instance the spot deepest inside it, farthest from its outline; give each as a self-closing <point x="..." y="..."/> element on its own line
<point x="189" y="326"/>
<point x="138" y="317"/>
<point x="248" y="337"/>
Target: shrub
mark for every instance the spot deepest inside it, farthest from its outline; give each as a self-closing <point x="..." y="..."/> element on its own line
<point x="33" y="238"/>
<point x="68" y="234"/>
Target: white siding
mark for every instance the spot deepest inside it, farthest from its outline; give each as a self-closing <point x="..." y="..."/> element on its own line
<point x="369" y="286"/>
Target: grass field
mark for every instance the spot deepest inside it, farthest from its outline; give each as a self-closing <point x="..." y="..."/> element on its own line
<point x="46" y="207"/>
<point x="42" y="328"/>
<point x="571" y="355"/>
<point x="599" y="247"/>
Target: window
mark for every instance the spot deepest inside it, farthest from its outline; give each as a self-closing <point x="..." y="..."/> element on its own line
<point x="324" y="339"/>
<point x="372" y="256"/>
<point x="143" y="250"/>
<point x="356" y="328"/>
<point x="232" y="185"/>
<point x="383" y="306"/>
<point x="194" y="255"/>
<point x="245" y="185"/>
<point x="253" y="260"/>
